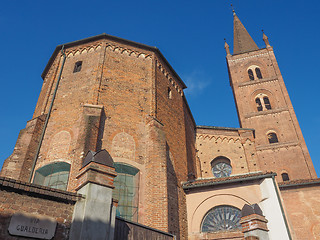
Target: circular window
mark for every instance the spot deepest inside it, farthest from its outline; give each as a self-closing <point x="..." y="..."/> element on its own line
<point x="221" y="169"/>
<point x="221" y="218"/>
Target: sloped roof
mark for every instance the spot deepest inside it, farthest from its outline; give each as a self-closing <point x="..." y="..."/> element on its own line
<point x="226" y="180"/>
<point x="299" y="183"/>
<point x="242" y="41"/>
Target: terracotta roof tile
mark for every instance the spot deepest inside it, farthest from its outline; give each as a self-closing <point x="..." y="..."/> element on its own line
<point x="216" y="181"/>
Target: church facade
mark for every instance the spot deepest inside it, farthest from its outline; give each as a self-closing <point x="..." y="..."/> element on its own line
<point x="120" y="101"/>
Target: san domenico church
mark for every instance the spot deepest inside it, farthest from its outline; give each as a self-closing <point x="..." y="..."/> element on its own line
<point x="113" y="152"/>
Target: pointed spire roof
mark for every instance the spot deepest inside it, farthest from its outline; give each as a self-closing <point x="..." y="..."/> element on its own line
<point x="242" y="41"/>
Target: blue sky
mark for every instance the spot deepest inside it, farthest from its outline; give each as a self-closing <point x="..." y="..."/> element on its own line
<point x="190" y="35"/>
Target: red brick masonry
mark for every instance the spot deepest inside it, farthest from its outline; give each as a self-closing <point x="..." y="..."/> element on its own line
<point x="17" y="196"/>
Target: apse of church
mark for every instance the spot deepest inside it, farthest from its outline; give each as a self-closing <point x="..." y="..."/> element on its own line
<point x="112" y="138"/>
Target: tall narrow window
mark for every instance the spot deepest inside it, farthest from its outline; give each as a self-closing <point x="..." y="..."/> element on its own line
<point x="259" y="105"/>
<point x="285" y="177"/>
<point x="258" y="73"/>
<point x="267" y="103"/>
<point x="169" y="93"/>
<point x="272" y="138"/>
<point x="77" y="66"/>
<point x="54" y="175"/>
<point x="127" y="191"/>
<point x="250" y="73"/>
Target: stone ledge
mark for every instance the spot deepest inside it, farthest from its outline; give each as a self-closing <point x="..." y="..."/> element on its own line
<point x="45" y="192"/>
<point x="276" y="145"/>
<point x="263" y="80"/>
<point x="267" y="112"/>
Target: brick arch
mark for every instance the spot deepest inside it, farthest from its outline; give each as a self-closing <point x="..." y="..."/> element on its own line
<point x="273" y="130"/>
<point x="59" y="146"/>
<point x="261" y="92"/>
<point x="260" y="64"/>
<point x="123" y="147"/>
<point x="211" y="202"/>
<point x="251" y="238"/>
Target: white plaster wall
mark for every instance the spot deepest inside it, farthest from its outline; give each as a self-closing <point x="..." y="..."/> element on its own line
<point x="270" y="206"/>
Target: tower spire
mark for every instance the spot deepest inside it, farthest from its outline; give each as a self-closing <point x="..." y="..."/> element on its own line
<point x="242" y="41"/>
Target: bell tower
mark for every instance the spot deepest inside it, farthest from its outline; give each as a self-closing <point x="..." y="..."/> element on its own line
<point x="263" y="103"/>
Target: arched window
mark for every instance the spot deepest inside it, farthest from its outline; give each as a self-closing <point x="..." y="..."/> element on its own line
<point x="262" y="102"/>
<point x="221" y="218"/>
<point x="267" y="103"/>
<point x="127" y="191"/>
<point x="272" y="138"/>
<point x="254" y="72"/>
<point x="250" y="73"/>
<point x="54" y="175"/>
<point x="285" y="177"/>
<point x="259" y="105"/>
<point x="258" y="73"/>
<point x="221" y="167"/>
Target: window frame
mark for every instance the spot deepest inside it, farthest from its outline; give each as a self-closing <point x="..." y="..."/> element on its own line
<point x="127" y="189"/>
<point x="77" y="66"/>
<point x="46" y="175"/>
<point x="227" y="163"/>
<point x="224" y="211"/>
<point x="274" y="136"/>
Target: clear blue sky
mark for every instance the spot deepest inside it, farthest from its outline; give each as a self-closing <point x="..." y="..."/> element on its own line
<point x="190" y="35"/>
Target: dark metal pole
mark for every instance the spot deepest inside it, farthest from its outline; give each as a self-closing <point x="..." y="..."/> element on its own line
<point x="48" y="116"/>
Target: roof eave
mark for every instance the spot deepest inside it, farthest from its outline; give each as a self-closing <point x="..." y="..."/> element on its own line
<point x="236" y="180"/>
<point x="107" y="36"/>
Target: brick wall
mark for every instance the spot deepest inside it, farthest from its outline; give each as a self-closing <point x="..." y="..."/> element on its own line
<point x="238" y="145"/>
<point x="17" y="196"/>
<point x="122" y="88"/>
<point x="290" y="154"/>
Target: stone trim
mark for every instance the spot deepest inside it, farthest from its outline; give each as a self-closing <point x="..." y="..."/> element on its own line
<point x="252" y="56"/>
<point x="223" y="128"/>
<point x="261" y="113"/>
<point x="92" y="106"/>
<point x="44" y="192"/>
<point x="258" y="81"/>
<point x="276" y="145"/>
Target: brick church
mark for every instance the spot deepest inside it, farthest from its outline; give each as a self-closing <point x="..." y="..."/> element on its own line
<point x="113" y="151"/>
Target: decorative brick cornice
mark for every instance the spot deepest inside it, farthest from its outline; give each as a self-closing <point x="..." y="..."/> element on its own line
<point x="169" y="76"/>
<point x="218" y="138"/>
<point x="127" y="51"/>
<point x="35" y="189"/>
<point x="82" y="50"/>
